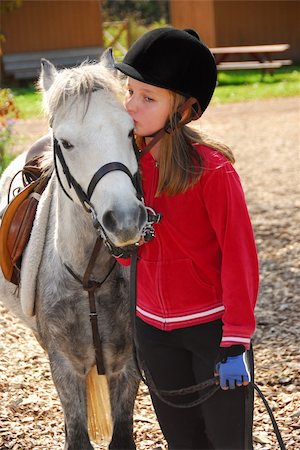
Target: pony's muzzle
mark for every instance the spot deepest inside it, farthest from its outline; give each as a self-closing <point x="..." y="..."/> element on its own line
<point x="125" y="225"/>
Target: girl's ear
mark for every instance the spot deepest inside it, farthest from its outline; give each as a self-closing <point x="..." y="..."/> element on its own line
<point x="189" y="110"/>
<point x="185" y="116"/>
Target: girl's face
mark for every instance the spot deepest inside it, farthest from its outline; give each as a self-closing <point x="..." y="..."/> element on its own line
<point x="148" y="105"/>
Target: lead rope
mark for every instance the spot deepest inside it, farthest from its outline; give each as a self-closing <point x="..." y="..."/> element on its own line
<point x="211" y="383"/>
<point x="270" y="412"/>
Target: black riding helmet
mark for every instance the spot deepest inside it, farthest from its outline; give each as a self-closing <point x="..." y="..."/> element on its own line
<point x="173" y="59"/>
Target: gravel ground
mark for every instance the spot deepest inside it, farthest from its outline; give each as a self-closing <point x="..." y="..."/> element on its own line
<point x="265" y="138"/>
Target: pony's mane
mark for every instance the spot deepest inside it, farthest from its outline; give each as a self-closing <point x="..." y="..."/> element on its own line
<point x="47" y="163"/>
<point x="79" y="81"/>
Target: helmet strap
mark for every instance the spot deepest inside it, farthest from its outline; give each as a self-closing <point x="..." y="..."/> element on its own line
<point x="177" y="122"/>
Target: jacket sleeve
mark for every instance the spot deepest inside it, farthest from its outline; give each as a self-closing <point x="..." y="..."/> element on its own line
<point x="229" y="217"/>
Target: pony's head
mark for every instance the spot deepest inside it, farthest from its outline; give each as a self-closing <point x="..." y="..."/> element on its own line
<point x="92" y="129"/>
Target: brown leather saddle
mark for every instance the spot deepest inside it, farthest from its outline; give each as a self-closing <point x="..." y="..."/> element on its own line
<point x="18" y="218"/>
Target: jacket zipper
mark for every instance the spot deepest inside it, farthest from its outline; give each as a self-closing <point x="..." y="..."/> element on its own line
<point x="153" y="184"/>
<point x="158" y="280"/>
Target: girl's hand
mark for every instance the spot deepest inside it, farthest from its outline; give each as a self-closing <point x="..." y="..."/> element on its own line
<point x="233" y="372"/>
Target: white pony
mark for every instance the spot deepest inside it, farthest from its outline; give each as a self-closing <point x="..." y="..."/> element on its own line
<point x="90" y="129"/>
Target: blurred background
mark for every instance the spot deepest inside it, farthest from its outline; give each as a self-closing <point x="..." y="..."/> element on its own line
<point x="67" y="31"/>
<point x="255" y="110"/>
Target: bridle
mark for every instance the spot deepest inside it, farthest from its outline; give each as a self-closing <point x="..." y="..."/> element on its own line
<point x="85" y="197"/>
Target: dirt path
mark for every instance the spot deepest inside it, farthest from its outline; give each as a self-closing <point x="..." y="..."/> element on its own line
<point x="265" y="137"/>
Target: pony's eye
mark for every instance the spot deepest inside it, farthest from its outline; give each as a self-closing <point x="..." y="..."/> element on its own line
<point x="66" y="144"/>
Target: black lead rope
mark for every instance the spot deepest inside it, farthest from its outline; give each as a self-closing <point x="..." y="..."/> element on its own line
<point x="210" y="385"/>
<point x="270" y="412"/>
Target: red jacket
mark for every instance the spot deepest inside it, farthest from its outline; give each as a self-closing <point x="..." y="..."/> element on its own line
<point x="202" y="264"/>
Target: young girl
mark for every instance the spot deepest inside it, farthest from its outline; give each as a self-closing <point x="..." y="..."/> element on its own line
<point x="198" y="278"/>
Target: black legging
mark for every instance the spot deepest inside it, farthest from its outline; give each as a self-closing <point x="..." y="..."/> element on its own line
<point x="181" y="358"/>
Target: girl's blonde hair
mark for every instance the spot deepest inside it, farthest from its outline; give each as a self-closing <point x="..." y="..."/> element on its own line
<point x="180" y="165"/>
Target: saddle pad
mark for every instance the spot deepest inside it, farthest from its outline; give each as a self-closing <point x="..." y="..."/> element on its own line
<point x="33" y="253"/>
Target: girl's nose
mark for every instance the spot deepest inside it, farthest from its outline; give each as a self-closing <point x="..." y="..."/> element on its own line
<point x="130" y="105"/>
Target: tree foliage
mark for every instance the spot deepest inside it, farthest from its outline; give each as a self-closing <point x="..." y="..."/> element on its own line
<point x="147" y="10"/>
<point x="9" y="113"/>
<point x="6" y="6"/>
<point x="9" y="5"/>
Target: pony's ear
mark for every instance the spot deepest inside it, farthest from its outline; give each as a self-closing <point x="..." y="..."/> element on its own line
<point x="107" y="59"/>
<point x="48" y="74"/>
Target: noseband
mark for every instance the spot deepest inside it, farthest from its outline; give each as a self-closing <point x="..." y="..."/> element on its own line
<point x="85" y="197"/>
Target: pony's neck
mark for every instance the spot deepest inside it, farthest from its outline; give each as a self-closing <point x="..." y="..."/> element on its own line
<point x="75" y="236"/>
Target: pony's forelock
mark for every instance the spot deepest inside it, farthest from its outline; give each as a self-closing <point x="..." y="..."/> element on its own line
<point x="79" y="81"/>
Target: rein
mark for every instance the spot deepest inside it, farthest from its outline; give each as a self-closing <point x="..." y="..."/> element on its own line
<point x="90" y="286"/>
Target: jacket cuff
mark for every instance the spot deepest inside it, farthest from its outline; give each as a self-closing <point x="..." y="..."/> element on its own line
<point x="228" y="341"/>
<point x="233" y="350"/>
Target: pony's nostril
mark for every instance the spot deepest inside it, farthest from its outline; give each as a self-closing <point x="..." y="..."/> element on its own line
<point x="125" y="223"/>
<point x="109" y="221"/>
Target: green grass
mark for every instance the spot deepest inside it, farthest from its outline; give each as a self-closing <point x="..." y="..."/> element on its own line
<point x="28" y="101"/>
<point x="233" y="86"/>
<point x="5" y="160"/>
<point x="243" y="85"/>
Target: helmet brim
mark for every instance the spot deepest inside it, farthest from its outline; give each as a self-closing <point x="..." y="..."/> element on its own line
<point x="133" y="73"/>
<point x="129" y="71"/>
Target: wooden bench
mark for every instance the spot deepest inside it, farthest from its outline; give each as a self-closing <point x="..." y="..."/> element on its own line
<point x="238" y="65"/>
<point x="261" y="57"/>
<point x="26" y="66"/>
